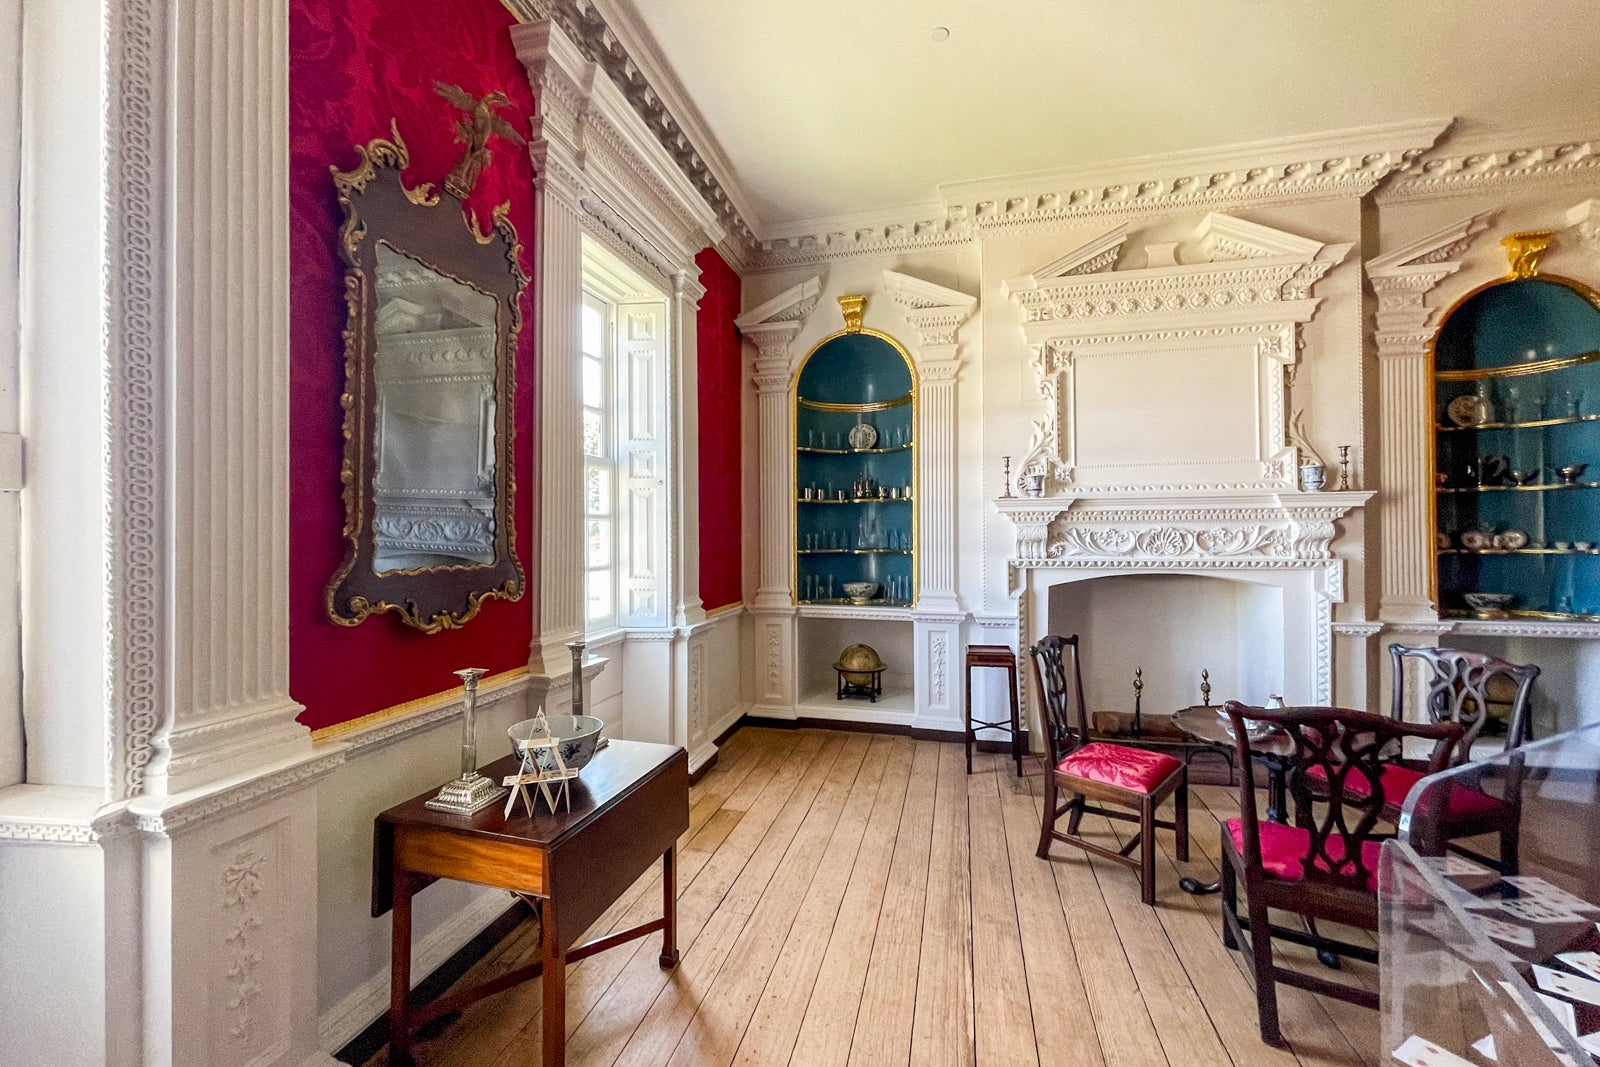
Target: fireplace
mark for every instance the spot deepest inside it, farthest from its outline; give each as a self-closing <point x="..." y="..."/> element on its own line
<point x="1240" y="582"/>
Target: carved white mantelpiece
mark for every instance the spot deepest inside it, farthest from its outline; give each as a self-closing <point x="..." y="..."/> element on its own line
<point x="1225" y="329"/>
<point x="1282" y="539"/>
<point x="1406" y="326"/>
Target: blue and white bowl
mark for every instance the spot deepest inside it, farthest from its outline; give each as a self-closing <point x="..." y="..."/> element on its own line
<point x="577" y="734"/>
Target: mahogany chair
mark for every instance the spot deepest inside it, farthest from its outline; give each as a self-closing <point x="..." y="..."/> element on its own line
<point x="1324" y="865"/>
<point x="1462" y="687"/>
<point x="1120" y="775"/>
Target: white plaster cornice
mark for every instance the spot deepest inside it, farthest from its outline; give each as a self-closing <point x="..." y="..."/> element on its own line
<point x="1471" y="163"/>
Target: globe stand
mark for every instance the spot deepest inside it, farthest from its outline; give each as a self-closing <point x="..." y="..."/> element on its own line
<point x="869" y="691"/>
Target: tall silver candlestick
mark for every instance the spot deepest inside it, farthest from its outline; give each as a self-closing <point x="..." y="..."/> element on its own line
<point x="472" y="791"/>
<point x="576" y="648"/>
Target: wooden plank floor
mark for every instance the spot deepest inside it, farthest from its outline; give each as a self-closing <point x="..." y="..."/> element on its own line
<point x="852" y="899"/>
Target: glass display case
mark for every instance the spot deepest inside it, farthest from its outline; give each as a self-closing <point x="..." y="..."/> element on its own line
<point x="855" y="527"/>
<point x="1517" y="446"/>
<point x="1484" y="968"/>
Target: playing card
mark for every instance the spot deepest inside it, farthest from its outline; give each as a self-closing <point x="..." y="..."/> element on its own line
<point x="1567" y="985"/>
<point x="1535" y="910"/>
<point x="1591" y="1042"/>
<point x="1585" y="963"/>
<point x="1454" y="866"/>
<point x="1509" y="932"/>
<point x="1563" y="1013"/>
<point x="1539" y="889"/>
<point x="1416" y="1052"/>
<point x="1484" y="1047"/>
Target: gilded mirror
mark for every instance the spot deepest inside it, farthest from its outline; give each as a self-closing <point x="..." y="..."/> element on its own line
<point x="434" y="313"/>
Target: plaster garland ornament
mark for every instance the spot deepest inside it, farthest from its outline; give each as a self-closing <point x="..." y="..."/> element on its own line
<point x="242" y="883"/>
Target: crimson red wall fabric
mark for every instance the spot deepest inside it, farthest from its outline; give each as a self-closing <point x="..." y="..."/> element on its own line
<point x="721" y="565"/>
<point x="355" y="65"/>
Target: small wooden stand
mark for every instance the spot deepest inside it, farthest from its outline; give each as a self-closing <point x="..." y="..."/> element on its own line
<point x="850" y="689"/>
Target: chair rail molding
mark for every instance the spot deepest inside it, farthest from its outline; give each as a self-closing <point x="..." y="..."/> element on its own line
<point x="1227" y="325"/>
<point x="1405" y="325"/>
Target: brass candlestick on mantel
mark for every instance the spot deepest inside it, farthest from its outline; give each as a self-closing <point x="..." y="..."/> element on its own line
<point x="576" y="648"/>
<point x="1138" y="697"/>
<point x="1205" y="687"/>
<point x="1007" y="494"/>
<point x="472" y="791"/>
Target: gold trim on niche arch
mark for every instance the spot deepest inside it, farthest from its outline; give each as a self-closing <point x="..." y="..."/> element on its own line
<point x="415" y="222"/>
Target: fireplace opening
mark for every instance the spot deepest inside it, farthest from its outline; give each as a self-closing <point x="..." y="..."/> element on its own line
<point x="1173" y="626"/>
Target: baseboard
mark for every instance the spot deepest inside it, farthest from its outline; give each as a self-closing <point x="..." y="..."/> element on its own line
<point x="917" y="733"/>
<point x="347" y="1025"/>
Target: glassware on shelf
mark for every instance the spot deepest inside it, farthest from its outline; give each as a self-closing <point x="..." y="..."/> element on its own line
<point x="1572" y="402"/>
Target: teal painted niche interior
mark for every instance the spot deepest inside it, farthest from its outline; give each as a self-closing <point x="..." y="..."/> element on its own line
<point x="1518" y="322"/>
<point x="855" y="368"/>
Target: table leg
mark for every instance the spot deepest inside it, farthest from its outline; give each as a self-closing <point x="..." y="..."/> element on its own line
<point x="400" y="972"/>
<point x="967" y="731"/>
<point x="669" y="907"/>
<point x="1016" y="720"/>
<point x="554" y="981"/>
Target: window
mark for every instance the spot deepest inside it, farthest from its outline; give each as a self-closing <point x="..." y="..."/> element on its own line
<point x="599" y="464"/>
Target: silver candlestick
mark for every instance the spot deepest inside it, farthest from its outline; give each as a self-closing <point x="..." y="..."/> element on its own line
<point x="472" y="791"/>
<point x="576" y="648"/>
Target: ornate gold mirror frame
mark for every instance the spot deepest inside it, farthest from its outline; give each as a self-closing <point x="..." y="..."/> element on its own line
<point x="434" y="309"/>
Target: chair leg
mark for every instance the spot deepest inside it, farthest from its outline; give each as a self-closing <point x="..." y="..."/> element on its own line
<point x="1147" y="851"/>
<point x="968" y="735"/>
<point x="1043" y="851"/>
<point x="1510" y="845"/>
<point x="1075" y="817"/>
<point x="1180" y="816"/>
<point x="1230" y="903"/>
<point x="1266" y="982"/>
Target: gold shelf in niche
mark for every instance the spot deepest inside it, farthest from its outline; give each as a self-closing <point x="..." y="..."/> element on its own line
<point x="1517" y="370"/>
<point x="852" y="451"/>
<point x="1519" y="488"/>
<point x="1500" y="616"/>
<point x="876" y="405"/>
<point x="1564" y="420"/>
<point x="1518" y="551"/>
<point x="853" y="551"/>
<point x="842" y="602"/>
<point x="857" y="500"/>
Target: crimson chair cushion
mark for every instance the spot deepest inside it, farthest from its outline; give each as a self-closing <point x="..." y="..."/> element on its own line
<point x="1399" y="780"/>
<point x="1136" y="769"/>
<point x="1282" y="848"/>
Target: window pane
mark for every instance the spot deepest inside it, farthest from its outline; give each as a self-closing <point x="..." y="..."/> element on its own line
<point x="597" y="491"/>
<point x="592" y="328"/>
<point x="598" y="541"/>
<point x="593" y="433"/>
<point x="599" y="588"/>
<point x="593" y="383"/>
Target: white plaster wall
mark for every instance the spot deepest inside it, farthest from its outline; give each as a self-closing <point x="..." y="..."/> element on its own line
<point x="53" y="910"/>
<point x="725" y="685"/>
<point x="63" y="590"/>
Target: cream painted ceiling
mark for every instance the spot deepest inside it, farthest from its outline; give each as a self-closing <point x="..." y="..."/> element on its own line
<point x="830" y="107"/>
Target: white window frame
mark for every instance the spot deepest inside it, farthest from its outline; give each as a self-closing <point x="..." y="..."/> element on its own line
<point x="12" y="744"/>
<point x="608" y="511"/>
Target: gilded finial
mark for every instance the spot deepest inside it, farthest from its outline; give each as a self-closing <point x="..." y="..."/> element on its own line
<point x="1524" y="249"/>
<point x="851" y="307"/>
<point x="1205" y="687"/>
<point x="1138" y="681"/>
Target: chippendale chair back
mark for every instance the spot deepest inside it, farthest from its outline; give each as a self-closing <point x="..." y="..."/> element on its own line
<point x="1458" y="684"/>
<point x="1338" y="766"/>
<point x="1066" y="728"/>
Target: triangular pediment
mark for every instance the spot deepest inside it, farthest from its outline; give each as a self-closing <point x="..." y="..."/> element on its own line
<point x="1437" y="247"/>
<point x="1095" y="256"/>
<point x="1224" y="237"/>
<point x="791" y="305"/>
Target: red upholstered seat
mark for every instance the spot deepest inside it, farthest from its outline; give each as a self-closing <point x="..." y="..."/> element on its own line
<point x="1136" y="769"/>
<point x="1398" y="781"/>
<point x="1282" y="848"/>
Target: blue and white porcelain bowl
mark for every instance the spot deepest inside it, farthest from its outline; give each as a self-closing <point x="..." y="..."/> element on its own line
<point x="577" y="734"/>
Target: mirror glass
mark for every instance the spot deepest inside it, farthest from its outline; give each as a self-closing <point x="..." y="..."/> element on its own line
<point x="435" y="376"/>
